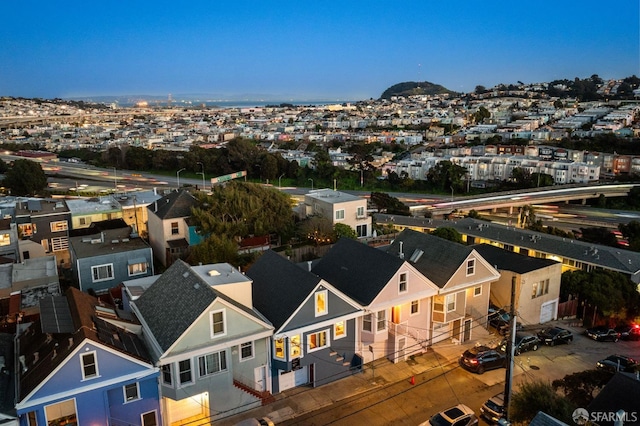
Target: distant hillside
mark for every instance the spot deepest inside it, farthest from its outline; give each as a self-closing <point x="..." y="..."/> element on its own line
<point x="409" y="88"/>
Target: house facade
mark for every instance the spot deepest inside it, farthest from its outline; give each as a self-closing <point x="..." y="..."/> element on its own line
<point x="315" y="335"/>
<point x="339" y="207"/>
<point x="210" y="343"/>
<point x="395" y="296"/>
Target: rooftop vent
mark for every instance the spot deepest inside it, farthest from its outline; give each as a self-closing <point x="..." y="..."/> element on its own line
<point x="213" y="273"/>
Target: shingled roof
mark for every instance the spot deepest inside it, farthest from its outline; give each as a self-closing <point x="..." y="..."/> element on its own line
<point x="356" y="269"/>
<point x="176" y="204"/>
<point x="509" y="261"/>
<point x="440" y="258"/>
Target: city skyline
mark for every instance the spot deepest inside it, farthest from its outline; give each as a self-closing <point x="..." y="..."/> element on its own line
<point x="292" y="51"/>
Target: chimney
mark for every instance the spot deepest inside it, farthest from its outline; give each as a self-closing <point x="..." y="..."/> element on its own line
<point x="401" y="253"/>
<point x="36" y="357"/>
<point x="309" y="264"/>
<point x="21" y="358"/>
<point x="70" y="342"/>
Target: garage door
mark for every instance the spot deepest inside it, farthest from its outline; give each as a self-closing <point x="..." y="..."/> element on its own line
<point x="548" y="311"/>
<point x="293" y="378"/>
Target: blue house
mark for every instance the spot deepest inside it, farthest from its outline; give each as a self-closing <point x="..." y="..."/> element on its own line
<point x="315" y="333"/>
<point x="81" y="365"/>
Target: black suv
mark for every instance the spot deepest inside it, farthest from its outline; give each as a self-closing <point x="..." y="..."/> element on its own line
<point x="482" y="358"/>
<point x="629" y="332"/>
<point x="615" y="363"/>
<point x="499" y="319"/>
<point x="603" y="334"/>
<point x="554" y="335"/>
<point x="523" y="343"/>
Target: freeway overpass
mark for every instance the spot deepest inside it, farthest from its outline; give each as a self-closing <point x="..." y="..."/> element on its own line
<point x="510" y="199"/>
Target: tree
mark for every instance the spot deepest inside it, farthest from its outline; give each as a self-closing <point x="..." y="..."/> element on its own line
<point x="214" y="249"/>
<point x="342" y="230"/>
<point x="481" y="114"/>
<point x="391" y="205"/>
<point x="445" y="174"/>
<point x="538" y="396"/>
<point x="522" y="177"/>
<point x="448" y="233"/>
<point x="580" y="388"/>
<point x="25" y="177"/>
<point x="316" y="229"/>
<point x="480" y="89"/>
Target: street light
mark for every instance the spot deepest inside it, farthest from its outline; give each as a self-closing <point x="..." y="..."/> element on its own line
<point x="311" y="183"/>
<point x="202" y="173"/>
<point x="451" y="192"/>
<point x="178" y="176"/>
<point x="115" y="180"/>
<point x="280" y="177"/>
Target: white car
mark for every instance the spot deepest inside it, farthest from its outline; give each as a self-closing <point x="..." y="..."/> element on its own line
<point x="459" y="415"/>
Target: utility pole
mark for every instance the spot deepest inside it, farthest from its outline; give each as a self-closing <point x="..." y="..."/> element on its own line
<point x="510" y="344"/>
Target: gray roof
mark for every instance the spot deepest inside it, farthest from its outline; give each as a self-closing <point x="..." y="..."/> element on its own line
<point x="176" y="204"/>
<point x="440" y="259"/>
<point x="620" y="393"/>
<point x="612" y="258"/>
<point x="106" y="242"/>
<point x="543" y="419"/>
<point x="506" y="260"/>
<point x="356" y="269"/>
<point x="279" y="286"/>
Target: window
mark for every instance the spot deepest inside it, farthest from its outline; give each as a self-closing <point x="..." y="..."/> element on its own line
<point x="451" y="302"/>
<point x="339" y="330"/>
<point x="32" y="419"/>
<point x="415" y="307"/>
<point x="26" y="229"/>
<point x="59" y="243"/>
<point x="217" y="324"/>
<point x="477" y="291"/>
<point x="174" y="228"/>
<point x="149" y="419"/>
<point x="102" y="272"/>
<point x="167" y="378"/>
<point x="212" y="363"/>
<point x="471" y="267"/>
<point x="82" y="221"/>
<point x="294" y="346"/>
<point x="403" y="283"/>
<point x="317" y="341"/>
<point x="540" y="288"/>
<point x="5" y="239"/>
<point x="321" y="303"/>
<point x="279" y="348"/>
<point x="361" y="230"/>
<point x="59" y="226"/>
<point x="366" y="323"/>
<point x="339" y="214"/>
<point x="184" y="372"/>
<point x="246" y="351"/>
<point x="138" y="268"/>
<point x="381" y="322"/>
<point x="89" y="365"/>
<point x="360" y="212"/>
<point x="131" y="392"/>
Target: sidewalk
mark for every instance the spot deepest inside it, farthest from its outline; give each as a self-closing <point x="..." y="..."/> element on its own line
<point x="297" y="401"/>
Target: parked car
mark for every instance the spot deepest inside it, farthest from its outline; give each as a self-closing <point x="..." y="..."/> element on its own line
<point x="554" y="335"/>
<point x="493" y="409"/>
<point x="523" y="343"/>
<point x="482" y="358"/>
<point x="629" y="332"/>
<point x="459" y="415"/>
<point x="603" y="334"/>
<point x="616" y="363"/>
<point x="499" y="319"/>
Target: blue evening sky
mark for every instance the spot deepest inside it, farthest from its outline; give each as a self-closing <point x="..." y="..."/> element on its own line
<point x="307" y="50"/>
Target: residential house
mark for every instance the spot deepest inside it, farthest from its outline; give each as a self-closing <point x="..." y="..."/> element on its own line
<point x="9" y="248"/>
<point x="85" y="211"/>
<point x="135" y="210"/>
<point x="339" y="207"/>
<point x="395" y="296"/>
<point x="617" y="402"/>
<point x="463" y="279"/>
<point x="170" y="229"/>
<point x="106" y="254"/>
<point x="210" y="343"/>
<point x="81" y="365"/>
<point x="314" y="323"/>
<point x="537" y="283"/>
<point x="43" y="225"/>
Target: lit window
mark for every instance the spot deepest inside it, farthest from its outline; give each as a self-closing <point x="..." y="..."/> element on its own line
<point x="131" y="392"/>
<point x="381" y="323"/>
<point x="5" y="239"/>
<point x="403" y="282"/>
<point x="217" y="324"/>
<point x="212" y="363"/>
<point x="26" y="229"/>
<point x="366" y="323"/>
<point x="102" y="272"/>
<point x="438" y="303"/>
<point x="477" y="291"/>
<point x="59" y="226"/>
<point x="317" y="341"/>
<point x="321" y="303"/>
<point x="279" y="348"/>
<point x="246" y="351"/>
<point x="294" y="346"/>
<point x="415" y="307"/>
<point x="174" y="228"/>
<point x="471" y="266"/>
<point x="89" y="365"/>
<point x="184" y="372"/>
<point x="138" y="268"/>
<point x="59" y="243"/>
<point x="339" y="330"/>
<point x="339" y="214"/>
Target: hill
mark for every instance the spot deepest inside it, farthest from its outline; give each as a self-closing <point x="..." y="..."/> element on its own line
<point x="409" y="88"/>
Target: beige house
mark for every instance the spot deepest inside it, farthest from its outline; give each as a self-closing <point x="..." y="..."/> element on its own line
<point x="537" y="284"/>
<point x="339" y="207"/>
